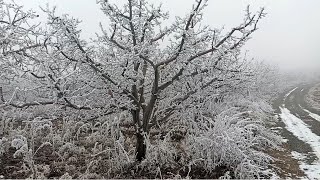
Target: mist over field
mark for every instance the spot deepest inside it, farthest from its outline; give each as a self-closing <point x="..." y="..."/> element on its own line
<point x="288" y="37"/>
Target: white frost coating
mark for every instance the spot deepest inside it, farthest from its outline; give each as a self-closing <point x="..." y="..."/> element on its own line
<point x="302" y="132"/>
<point x="289" y="92"/>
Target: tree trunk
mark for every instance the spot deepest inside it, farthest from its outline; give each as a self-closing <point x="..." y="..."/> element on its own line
<point x="141" y="147"/>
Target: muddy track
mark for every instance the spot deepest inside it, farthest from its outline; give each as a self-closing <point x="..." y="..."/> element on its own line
<point x="301" y="128"/>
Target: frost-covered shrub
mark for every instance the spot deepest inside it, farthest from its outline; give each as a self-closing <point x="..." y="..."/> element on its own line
<point x="313" y="97"/>
<point x="235" y="137"/>
<point x="141" y="98"/>
<point x="3" y="145"/>
<point x="20" y="143"/>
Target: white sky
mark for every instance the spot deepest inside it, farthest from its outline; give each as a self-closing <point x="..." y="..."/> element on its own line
<point x="289" y="36"/>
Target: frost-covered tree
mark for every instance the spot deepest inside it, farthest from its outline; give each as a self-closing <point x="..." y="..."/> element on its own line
<point x="157" y="77"/>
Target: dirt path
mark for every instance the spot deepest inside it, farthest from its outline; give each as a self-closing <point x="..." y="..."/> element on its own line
<point x="300" y="126"/>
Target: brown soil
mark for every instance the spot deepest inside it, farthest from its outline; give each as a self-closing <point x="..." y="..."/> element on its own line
<point x="285" y="165"/>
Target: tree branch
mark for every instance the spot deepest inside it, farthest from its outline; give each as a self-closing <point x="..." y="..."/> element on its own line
<point x="184" y="36"/>
<point x="214" y="48"/>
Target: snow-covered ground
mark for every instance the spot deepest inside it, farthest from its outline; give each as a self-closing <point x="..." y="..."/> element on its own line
<point x="313" y="115"/>
<point x="312" y="171"/>
<point x="301" y="130"/>
<point x="285" y="96"/>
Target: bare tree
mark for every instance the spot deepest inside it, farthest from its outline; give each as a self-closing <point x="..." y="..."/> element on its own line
<point x="137" y="67"/>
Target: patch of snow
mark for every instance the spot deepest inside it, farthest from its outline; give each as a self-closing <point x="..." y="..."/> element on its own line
<point x="273" y="175"/>
<point x="301" y="90"/>
<point x="302" y="132"/>
<point x="313" y="115"/>
<point x="285" y="96"/>
<point x="311" y="170"/>
<point x="276" y="128"/>
<point x="298" y="156"/>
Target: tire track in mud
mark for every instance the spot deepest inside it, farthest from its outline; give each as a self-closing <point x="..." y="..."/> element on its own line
<point x="301" y="128"/>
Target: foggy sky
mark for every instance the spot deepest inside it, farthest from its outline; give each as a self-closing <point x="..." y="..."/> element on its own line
<point x="289" y="36"/>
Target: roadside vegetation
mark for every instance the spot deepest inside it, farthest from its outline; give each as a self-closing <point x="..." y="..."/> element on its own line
<point x="313" y="97"/>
